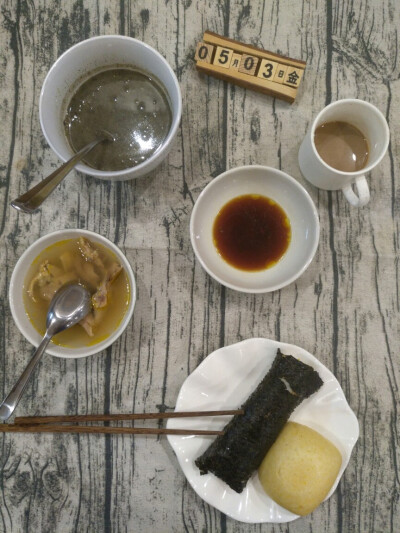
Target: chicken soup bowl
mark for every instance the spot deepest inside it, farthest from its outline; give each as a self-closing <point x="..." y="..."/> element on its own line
<point x="29" y="265"/>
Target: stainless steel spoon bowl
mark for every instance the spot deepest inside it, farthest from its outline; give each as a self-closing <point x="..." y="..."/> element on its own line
<point x="69" y="305"/>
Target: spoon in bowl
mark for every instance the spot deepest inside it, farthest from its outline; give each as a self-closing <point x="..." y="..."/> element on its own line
<point x="31" y="200"/>
<point x="69" y="305"/>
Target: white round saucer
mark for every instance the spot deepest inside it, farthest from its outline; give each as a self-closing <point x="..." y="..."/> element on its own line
<point x="284" y="190"/>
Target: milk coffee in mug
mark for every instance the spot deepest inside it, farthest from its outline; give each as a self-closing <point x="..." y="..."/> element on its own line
<point x="343" y="131"/>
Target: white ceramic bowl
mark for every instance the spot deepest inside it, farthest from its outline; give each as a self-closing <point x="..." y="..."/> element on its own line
<point x="17" y="283"/>
<point x="85" y="57"/>
<point x="293" y="199"/>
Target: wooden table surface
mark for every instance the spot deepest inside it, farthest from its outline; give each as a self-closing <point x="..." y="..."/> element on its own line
<point x="344" y="309"/>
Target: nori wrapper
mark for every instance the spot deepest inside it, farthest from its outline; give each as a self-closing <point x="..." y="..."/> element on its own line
<point x="236" y="454"/>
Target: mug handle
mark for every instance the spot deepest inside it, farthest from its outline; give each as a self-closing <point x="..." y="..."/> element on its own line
<point x="362" y="191"/>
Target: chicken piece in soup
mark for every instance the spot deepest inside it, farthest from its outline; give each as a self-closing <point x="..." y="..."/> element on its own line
<point x="90" y="264"/>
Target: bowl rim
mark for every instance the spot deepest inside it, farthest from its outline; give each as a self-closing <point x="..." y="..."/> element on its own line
<point x="141" y="167"/>
<point x="283" y="176"/>
<point x="21" y="267"/>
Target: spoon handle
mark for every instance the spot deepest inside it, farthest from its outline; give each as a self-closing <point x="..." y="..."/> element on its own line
<point x="30" y="201"/>
<point x="11" y="401"/>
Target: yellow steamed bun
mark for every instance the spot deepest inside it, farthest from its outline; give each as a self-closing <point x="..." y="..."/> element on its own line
<point x="299" y="468"/>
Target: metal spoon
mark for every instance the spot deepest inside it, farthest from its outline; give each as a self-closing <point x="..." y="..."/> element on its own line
<point x="30" y="201"/>
<point x="69" y="305"/>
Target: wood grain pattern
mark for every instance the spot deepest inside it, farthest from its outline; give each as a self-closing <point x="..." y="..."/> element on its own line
<point x="344" y="309"/>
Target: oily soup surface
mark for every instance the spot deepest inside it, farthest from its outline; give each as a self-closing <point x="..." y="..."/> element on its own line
<point x="129" y="104"/>
<point x="251" y="232"/>
<point x="66" y="262"/>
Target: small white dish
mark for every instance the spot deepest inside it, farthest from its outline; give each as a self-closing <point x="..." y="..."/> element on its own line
<point x="283" y="189"/>
<point x="224" y="380"/>
<point x="73" y="67"/>
<point x="17" y="283"/>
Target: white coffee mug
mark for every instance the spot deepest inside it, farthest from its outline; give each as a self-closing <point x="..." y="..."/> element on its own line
<point x="370" y="121"/>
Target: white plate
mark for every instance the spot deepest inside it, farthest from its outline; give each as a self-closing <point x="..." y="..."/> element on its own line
<point x="224" y="380"/>
<point x="294" y="200"/>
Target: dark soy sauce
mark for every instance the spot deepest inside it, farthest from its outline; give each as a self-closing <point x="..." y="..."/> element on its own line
<point x="129" y="104"/>
<point x="251" y="232"/>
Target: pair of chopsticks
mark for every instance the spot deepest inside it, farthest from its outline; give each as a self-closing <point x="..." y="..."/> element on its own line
<point x="55" y="424"/>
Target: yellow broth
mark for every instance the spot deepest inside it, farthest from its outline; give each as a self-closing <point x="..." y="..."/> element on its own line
<point x="69" y="265"/>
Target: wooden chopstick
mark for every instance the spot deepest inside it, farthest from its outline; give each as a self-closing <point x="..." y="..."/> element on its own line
<point x="53" y="424"/>
<point x="31" y="420"/>
<point x="37" y="428"/>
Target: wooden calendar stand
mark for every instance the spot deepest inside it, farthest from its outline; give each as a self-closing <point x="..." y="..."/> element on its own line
<point x="250" y="67"/>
